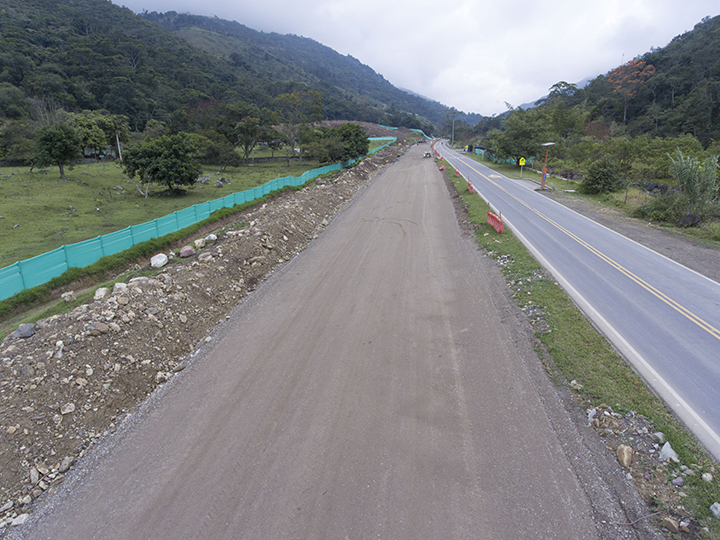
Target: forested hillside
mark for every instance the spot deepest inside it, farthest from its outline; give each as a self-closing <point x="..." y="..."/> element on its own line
<point x="667" y="92"/>
<point x="94" y="55"/>
<point x="91" y="54"/>
<point x="284" y="55"/>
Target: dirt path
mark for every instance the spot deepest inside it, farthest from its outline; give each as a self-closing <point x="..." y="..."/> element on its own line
<point x="378" y="386"/>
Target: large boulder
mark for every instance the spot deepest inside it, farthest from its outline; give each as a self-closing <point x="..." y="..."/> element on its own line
<point x="691" y="220"/>
<point x="24" y="331"/>
<point x="159" y="260"/>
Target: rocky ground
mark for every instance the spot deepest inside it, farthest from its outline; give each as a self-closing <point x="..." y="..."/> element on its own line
<point x="74" y="377"/>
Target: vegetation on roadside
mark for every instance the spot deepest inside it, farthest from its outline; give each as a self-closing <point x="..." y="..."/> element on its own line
<point x="572" y="349"/>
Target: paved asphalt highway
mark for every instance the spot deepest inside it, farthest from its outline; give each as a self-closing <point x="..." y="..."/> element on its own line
<point x="662" y="316"/>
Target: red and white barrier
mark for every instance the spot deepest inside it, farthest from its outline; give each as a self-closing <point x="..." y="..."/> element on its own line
<point x="496" y="222"/>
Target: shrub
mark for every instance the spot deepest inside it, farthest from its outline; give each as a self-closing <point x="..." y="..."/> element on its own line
<point x="601" y="177"/>
<point x="668" y="208"/>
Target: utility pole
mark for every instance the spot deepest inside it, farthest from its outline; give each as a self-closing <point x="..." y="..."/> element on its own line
<point x="451" y="113"/>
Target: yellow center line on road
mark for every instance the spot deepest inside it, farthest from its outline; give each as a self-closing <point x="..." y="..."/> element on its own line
<point x="644" y="284"/>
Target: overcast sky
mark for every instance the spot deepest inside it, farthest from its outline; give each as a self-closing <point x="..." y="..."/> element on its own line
<point x="474" y="55"/>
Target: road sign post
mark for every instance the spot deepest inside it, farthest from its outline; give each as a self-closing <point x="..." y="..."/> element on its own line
<point x="547" y="146"/>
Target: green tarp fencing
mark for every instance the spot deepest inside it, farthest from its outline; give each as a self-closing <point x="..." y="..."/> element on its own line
<point x="42" y="268"/>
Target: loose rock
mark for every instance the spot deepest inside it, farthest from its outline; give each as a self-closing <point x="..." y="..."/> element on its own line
<point x="187" y="251"/>
<point x="671" y="525"/>
<point x="159" y="260"/>
<point x="624" y="455"/>
<point x="24" y="331"/>
<point x="715" y="509"/>
<point x="667" y="453"/>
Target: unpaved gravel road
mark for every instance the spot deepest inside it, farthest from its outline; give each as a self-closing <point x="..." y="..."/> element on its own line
<point x="379" y="385"/>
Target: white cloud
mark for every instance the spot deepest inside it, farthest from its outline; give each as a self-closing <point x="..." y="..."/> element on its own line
<point x="474" y="55"/>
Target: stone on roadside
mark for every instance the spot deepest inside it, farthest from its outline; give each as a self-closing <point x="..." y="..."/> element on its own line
<point x="199" y="243"/>
<point x="19" y="520"/>
<point x="658" y="437"/>
<point x="715" y="509"/>
<point x="65" y="464"/>
<point x="210" y="238"/>
<point x="666" y="452"/>
<point x="159" y="260"/>
<point x="98" y="328"/>
<point x="187" y="251"/>
<point x="707" y="477"/>
<point x="34" y="476"/>
<point x="671" y="525"/>
<point x="101" y="293"/>
<point x="67" y="408"/>
<point x="68" y="296"/>
<point x="624" y="455"/>
<point x="24" y="331"/>
<point x="120" y="288"/>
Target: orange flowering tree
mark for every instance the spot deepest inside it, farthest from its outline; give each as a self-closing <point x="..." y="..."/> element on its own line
<point x="628" y="78"/>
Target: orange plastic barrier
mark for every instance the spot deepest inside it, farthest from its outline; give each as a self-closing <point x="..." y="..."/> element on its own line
<point x="442" y="167"/>
<point x="470" y="188"/>
<point x="496" y="222"/>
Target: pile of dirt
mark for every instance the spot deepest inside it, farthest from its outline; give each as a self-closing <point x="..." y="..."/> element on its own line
<point x="74" y="377"/>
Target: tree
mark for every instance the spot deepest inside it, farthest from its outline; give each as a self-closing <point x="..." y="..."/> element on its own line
<point x="59" y="145"/>
<point x="274" y="139"/>
<point x="165" y="160"/>
<point x="523" y="136"/>
<point x="628" y="78"/>
<point x="602" y="176"/>
<point x="697" y="181"/>
<point x="298" y="110"/>
<point x="17" y="141"/>
<point x="91" y="136"/>
<point x="354" y="141"/>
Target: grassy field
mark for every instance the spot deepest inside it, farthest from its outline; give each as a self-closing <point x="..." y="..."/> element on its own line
<point x="40" y="211"/>
<point x="574" y="350"/>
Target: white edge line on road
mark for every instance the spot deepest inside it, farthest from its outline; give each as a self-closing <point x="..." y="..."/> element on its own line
<point x="687" y="414"/>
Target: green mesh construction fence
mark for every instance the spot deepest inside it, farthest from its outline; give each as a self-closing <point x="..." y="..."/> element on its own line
<point x="42" y="268"/>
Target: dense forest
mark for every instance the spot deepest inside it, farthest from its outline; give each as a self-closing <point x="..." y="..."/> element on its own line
<point x="93" y="55"/>
<point x="290" y="55"/>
